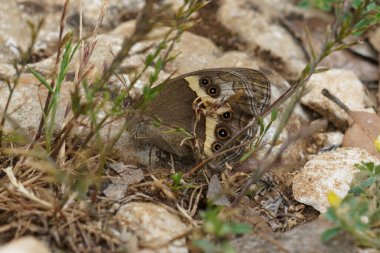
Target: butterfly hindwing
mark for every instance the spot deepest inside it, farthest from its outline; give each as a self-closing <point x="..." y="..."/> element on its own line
<point x="232" y="98"/>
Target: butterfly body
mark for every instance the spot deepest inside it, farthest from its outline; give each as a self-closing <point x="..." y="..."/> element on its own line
<point x="197" y="113"/>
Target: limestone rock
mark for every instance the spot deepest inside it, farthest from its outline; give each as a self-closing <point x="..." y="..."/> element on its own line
<point x="121" y="176"/>
<point x="326" y="172"/>
<point x="374" y="38"/>
<point x="26" y="244"/>
<point x="344" y="85"/>
<point x="25" y="106"/>
<point x="270" y="41"/>
<point x="14" y="32"/>
<point x="153" y="224"/>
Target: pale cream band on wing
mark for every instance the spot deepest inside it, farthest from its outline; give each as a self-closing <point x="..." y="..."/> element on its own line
<point x="194" y="85"/>
<point x="211" y="124"/>
<point x="212" y="119"/>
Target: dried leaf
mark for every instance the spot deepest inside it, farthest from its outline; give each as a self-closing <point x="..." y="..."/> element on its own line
<point x="363" y="132"/>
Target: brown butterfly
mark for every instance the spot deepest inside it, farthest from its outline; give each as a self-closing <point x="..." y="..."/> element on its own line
<point x="197" y="113"/>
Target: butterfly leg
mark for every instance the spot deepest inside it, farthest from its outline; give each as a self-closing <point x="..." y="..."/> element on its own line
<point x="196" y="143"/>
<point x="199" y="109"/>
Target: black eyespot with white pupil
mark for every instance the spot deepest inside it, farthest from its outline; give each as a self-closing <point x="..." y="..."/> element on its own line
<point x="216" y="146"/>
<point x="205" y="81"/>
<point x="226" y="115"/>
<point x="213" y="90"/>
<point x="222" y="132"/>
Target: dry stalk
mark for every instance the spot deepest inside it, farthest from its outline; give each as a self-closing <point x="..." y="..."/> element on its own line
<point x="21" y="189"/>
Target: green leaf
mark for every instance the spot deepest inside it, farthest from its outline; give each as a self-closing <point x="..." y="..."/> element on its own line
<point x="330" y="214"/>
<point x="73" y="51"/>
<point x="226" y="247"/>
<point x="148" y="93"/>
<point x="149" y="59"/>
<point x="370" y="166"/>
<point x="41" y="79"/>
<point x="177" y="177"/>
<point x="240" y="228"/>
<point x="223" y="229"/>
<point x="377" y="169"/>
<point x="325" y="5"/>
<point x="371" y="7"/>
<point x="267" y="127"/>
<point x="260" y="121"/>
<point x="205" y="245"/>
<point x="64" y="65"/>
<point x="361" y="26"/>
<point x="273" y="115"/>
<point x="368" y="182"/>
<point x="356" y="3"/>
<point x="159" y="64"/>
<point x="304" y="4"/>
<point x="375" y="217"/>
<point x="361" y="167"/>
<point x="356" y="190"/>
<point x="330" y="233"/>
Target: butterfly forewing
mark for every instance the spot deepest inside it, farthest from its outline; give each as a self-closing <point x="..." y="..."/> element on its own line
<point x="248" y="89"/>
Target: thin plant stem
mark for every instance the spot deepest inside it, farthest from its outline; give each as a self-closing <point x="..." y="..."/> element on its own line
<point x="52" y="84"/>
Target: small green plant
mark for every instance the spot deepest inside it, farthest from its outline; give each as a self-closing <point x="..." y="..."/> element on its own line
<point x="325" y="5"/>
<point x="359" y="212"/>
<point x="216" y="231"/>
<point x="177" y="182"/>
<point x="368" y="10"/>
<point x="49" y="115"/>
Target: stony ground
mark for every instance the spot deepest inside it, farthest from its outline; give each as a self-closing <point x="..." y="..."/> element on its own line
<point x="134" y="205"/>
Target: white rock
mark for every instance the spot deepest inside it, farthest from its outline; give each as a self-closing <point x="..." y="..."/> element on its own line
<point x="26" y="244"/>
<point x="196" y="52"/>
<point x="14" y="31"/>
<point x="153" y="224"/>
<point x="125" y="175"/>
<point x="326" y="172"/>
<point x="7" y="70"/>
<point x="343" y="84"/>
<point x="116" y="191"/>
<point x="25" y="107"/>
<point x="374" y="38"/>
<point x="334" y="139"/>
<point x="271" y="42"/>
<point x="326" y="141"/>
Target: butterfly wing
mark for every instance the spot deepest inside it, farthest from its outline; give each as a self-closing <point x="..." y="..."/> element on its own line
<point x="169" y="118"/>
<point x="241" y="95"/>
<point x="248" y="89"/>
<point x="233" y="95"/>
